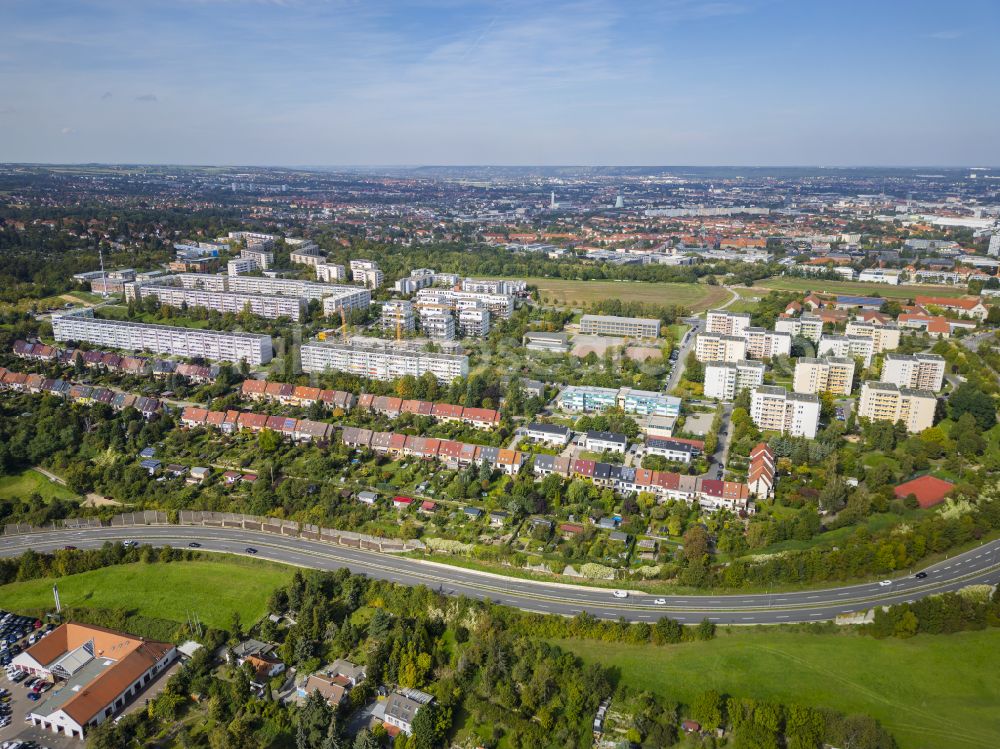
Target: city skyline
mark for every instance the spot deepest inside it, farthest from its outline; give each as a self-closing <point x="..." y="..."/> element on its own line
<point x="296" y="82"/>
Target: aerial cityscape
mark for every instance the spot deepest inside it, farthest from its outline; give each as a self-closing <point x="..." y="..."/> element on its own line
<point x="428" y="374"/>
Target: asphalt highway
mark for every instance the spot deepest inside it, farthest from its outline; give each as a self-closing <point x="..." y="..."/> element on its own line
<point x="979" y="565"/>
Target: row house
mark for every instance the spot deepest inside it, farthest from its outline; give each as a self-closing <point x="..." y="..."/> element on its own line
<point x="85" y="394"/>
<point x="134" y="365"/>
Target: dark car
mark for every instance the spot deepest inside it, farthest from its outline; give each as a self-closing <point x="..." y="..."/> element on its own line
<point x="920" y="575"/>
<point x="251" y="550"/>
<point x="194" y="545"/>
<point x="69" y="548"/>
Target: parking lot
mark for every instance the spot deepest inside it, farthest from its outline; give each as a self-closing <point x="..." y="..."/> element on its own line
<point x="18" y="729"/>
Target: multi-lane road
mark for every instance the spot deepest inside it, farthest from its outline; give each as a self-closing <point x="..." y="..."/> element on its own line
<point x="980" y="565"/>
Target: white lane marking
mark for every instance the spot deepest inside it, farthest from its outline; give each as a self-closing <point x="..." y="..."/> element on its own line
<point x="811" y="597"/>
<point x="783" y="616"/>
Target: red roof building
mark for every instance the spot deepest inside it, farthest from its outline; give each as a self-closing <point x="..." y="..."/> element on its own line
<point x="929" y="490"/>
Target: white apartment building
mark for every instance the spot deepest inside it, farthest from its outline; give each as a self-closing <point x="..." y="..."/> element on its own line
<point x="885" y="401"/>
<point x="847" y="345"/>
<point x="290" y="287"/>
<point x="493" y="286"/>
<point x="880" y="275"/>
<point x="474" y="321"/>
<point x="81" y="325"/>
<point x="613" y="325"/>
<point x="726" y="323"/>
<point x="917" y="371"/>
<point x="767" y="344"/>
<point x="263" y="305"/>
<point x="250" y="238"/>
<point x="381" y="360"/>
<point x="238" y="266"/>
<point x="775" y="409"/>
<point x="263" y="258"/>
<point x="330" y="272"/>
<point x="370" y="278"/>
<point x="499" y="305"/>
<point x="830" y="374"/>
<point x="439" y="325"/>
<point x="305" y="253"/>
<point x="806" y="326"/>
<point x="345" y="298"/>
<point x="398" y="313"/>
<point x="720" y="347"/>
<point x="884" y="337"/>
<point x="724" y="380"/>
<point x="412" y="284"/>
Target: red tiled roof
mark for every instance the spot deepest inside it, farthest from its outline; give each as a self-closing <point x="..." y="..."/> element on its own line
<point x="929" y="490"/>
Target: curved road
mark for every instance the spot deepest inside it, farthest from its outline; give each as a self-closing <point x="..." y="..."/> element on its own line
<point x="980" y="565"/>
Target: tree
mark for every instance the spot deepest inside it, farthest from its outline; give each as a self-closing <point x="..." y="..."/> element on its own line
<point x="968" y="398"/>
<point x="695" y="544"/>
<point x="706" y="708"/>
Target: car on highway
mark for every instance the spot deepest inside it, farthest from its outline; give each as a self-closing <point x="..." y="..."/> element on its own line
<point x="620" y="593"/>
<point x="920" y="575"/>
<point x="129" y="543"/>
<point x="251" y="550"/>
<point x="885" y="583"/>
<point x="660" y="602"/>
<point x="68" y="547"/>
<point x="194" y="545"/>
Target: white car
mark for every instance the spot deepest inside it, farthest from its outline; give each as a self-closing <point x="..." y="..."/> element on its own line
<point x="620" y="594"/>
<point x="660" y="602"/>
<point x="885" y="583"/>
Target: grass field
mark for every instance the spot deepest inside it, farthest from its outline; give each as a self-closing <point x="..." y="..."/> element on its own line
<point x="214" y="589"/>
<point x="930" y="691"/>
<point x="789" y="283"/>
<point x="29" y="482"/>
<point x="696" y="297"/>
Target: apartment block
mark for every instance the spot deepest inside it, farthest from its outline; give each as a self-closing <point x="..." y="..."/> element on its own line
<point x="917" y="371"/>
<point x="81" y="325"/>
<point x="884" y="337"/>
<point x="263" y="305"/>
<point x="398" y="313"/>
<point x="263" y="258"/>
<point x="381" y="360"/>
<point x="499" y="305"/>
<point x="830" y="374"/>
<point x="775" y="409"/>
<point x="345" y="298"/>
<point x="367" y="273"/>
<point x="439" y="325"/>
<point x="494" y="286"/>
<point x="854" y="346"/>
<point x="330" y="272"/>
<point x="766" y="344"/>
<point x="474" y="321"/>
<point x="885" y="401"/>
<point x="807" y="326"/>
<point x="720" y="347"/>
<point x="586" y="399"/>
<point x="306" y="253"/>
<point x="726" y="323"/>
<point x="647" y="403"/>
<point x="627" y="327"/>
<point x="724" y="380"/>
<point x="238" y="266"/>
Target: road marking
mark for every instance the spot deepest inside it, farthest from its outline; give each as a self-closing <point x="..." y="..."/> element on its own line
<point x="811" y="597"/>
<point x="783" y="616"/>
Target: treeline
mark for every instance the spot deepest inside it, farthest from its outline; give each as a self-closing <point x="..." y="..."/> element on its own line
<point x="972" y="608"/>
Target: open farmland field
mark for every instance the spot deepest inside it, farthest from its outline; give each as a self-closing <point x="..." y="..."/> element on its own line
<point x="790" y="283"/>
<point x="696" y="297"/>
<point x="23" y="485"/>
<point x="930" y="691"/>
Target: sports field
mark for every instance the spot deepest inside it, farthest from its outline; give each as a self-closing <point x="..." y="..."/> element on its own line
<point x="930" y="691"/>
<point x="791" y="283"/>
<point x="214" y="589"/>
<point x="24" y="484"/>
<point x="696" y="297"/>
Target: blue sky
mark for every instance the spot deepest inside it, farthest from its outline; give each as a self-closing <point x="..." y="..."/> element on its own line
<point x="327" y="82"/>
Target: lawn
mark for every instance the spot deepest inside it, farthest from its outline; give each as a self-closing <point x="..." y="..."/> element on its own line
<point x="213" y="589"/>
<point x="26" y="483"/>
<point x="930" y="691"/>
<point x="696" y="297"/>
<point x="791" y="283"/>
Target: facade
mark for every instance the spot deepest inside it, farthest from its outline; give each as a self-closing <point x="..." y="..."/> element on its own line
<point x="398" y="313"/>
<point x="586" y="399"/>
<point x="438" y="325"/>
<point x="884" y="337"/>
<point x="600" y="441"/>
<point x="807" y="326"/>
<point x="97" y="671"/>
<point x="830" y="374"/>
<point x="551" y="343"/>
<point x="263" y="305"/>
<point x="381" y="360"/>
<point x="917" y="371"/>
<point x="499" y="305"/>
<point x="885" y="401"/>
<point x="551" y="434"/>
<point x="720" y="347"/>
<point x="494" y="286"/>
<point x="880" y="275"/>
<point x="474" y="322"/>
<point x="238" y="266"/>
<point x="855" y="346"/>
<point x="726" y="323"/>
<point x="647" y="402"/>
<point x="766" y="344"/>
<point x="257" y="254"/>
<point x="330" y="272"/>
<point x="81" y="325"/>
<point x="627" y="327"/>
<point x="724" y="380"/>
<point x="775" y="409"/>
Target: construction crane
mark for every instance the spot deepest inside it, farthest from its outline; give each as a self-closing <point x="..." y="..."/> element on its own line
<point x="343" y="323"/>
